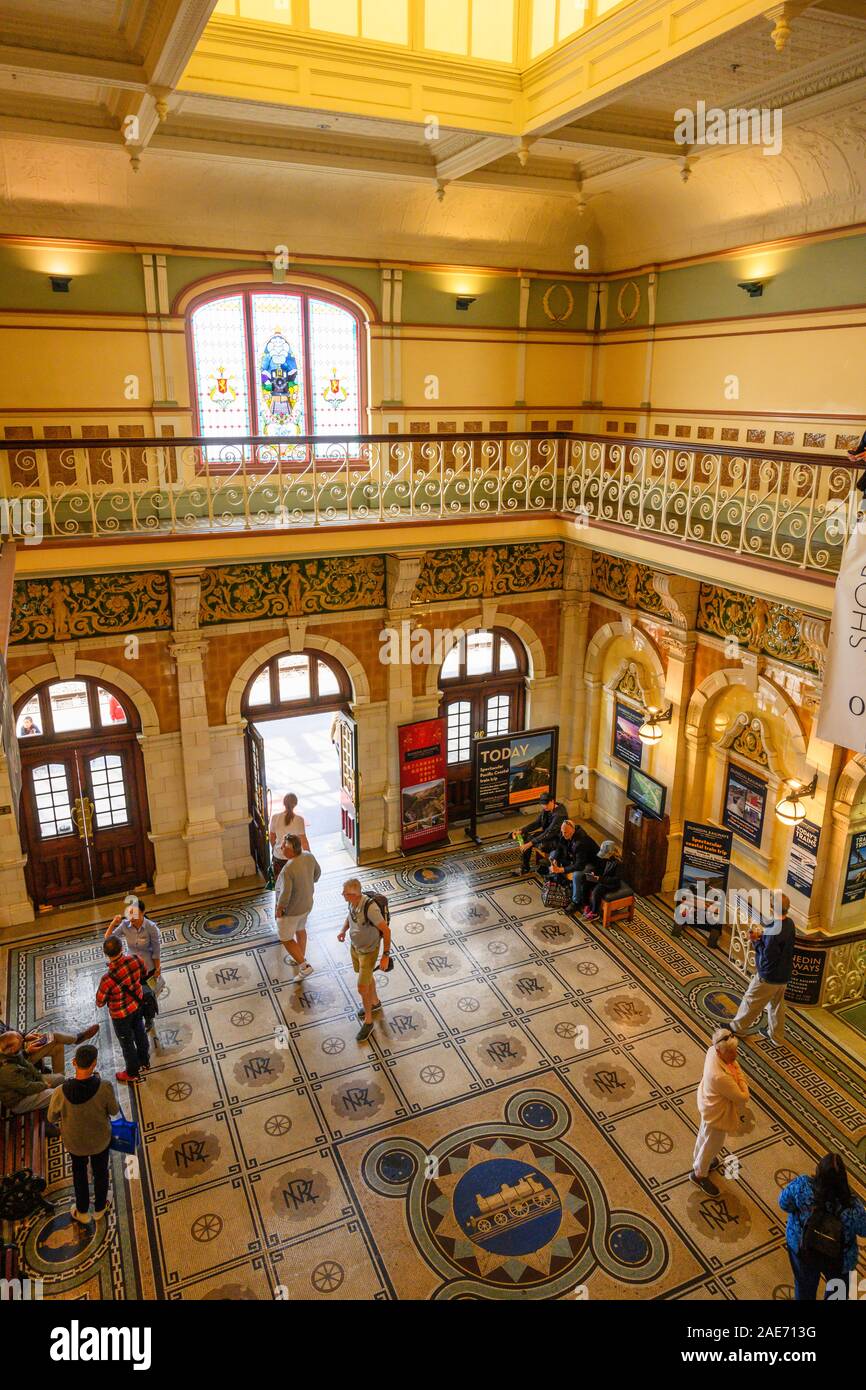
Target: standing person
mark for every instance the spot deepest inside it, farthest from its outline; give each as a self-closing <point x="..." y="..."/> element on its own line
<point x="824" y="1221"/>
<point x="774" y="964"/>
<point x="22" y="1086"/>
<point x="283" y="823"/>
<point x="83" y="1107"/>
<point x="294" y="901"/>
<point x="367" y="927"/>
<point x="542" y="833"/>
<point x="723" y="1093"/>
<point x="140" y="935"/>
<point x="605" y="877"/>
<point x="120" y="989"/>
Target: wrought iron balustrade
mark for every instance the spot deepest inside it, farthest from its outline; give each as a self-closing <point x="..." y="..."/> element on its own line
<point x="794" y="509"/>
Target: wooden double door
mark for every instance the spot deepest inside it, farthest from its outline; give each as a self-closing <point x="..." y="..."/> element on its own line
<point x="85" y="817"/>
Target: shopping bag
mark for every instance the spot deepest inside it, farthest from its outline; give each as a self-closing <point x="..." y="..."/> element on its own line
<point x="125" y="1134"/>
<point x="556" y="892"/>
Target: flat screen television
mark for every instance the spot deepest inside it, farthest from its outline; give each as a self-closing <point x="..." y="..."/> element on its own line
<point x="646" y="793"/>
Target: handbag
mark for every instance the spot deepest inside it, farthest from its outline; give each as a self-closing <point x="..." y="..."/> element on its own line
<point x="556" y="891"/>
<point x="125" y="1134"/>
<point x="22" y="1193"/>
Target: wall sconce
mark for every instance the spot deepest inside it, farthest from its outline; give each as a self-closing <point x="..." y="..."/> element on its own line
<point x="464" y="301"/>
<point x="650" y="731"/>
<point x="60" y="283"/>
<point x="790" y="809"/>
<point x="754" y="288"/>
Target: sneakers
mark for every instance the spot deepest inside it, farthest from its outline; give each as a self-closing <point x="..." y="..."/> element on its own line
<point x="90" y="1032"/>
<point x="302" y="971"/>
<point x="364" y="1033"/>
<point x="103" y="1212"/>
<point x="130" y="1080"/>
<point x="82" y="1217"/>
<point x="705" y="1184"/>
<point x="377" y="1008"/>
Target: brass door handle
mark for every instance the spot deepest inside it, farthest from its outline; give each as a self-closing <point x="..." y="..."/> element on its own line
<point x="82" y="814"/>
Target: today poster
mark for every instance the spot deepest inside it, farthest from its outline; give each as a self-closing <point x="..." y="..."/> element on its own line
<point x="513" y="770"/>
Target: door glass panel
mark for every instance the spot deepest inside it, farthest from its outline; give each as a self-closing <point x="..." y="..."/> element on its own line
<point x="260" y="690"/>
<point x="507" y="656"/>
<point x="459" y="731"/>
<point x="451" y="665"/>
<point x="111" y="711"/>
<point x="69" y="707"/>
<point x="479" y="653"/>
<point x="498" y="714"/>
<point x="109" y="792"/>
<point x="29" y="720"/>
<point x="53" y="806"/>
<point x="328" y="683"/>
<point x="294" y="677"/>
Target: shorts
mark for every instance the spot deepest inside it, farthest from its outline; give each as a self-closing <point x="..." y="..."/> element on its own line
<point x="288" y="927"/>
<point x="364" y="963"/>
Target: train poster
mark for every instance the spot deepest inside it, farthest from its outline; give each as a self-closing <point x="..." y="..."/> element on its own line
<point x="423" y="799"/>
<point x="513" y="770"/>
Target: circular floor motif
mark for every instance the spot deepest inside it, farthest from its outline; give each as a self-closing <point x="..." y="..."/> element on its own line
<point x="57" y="1243"/>
<point x="206" y="1227"/>
<point x="327" y="1276"/>
<point x="427" y="876"/>
<point x="501" y="1052"/>
<point x="553" y="931"/>
<point x="537" y="1114"/>
<point x="358" y="1100"/>
<point x="300" y="1193"/>
<point x="720" y="1003"/>
<point x="629" y="1245"/>
<point x="227" y="976"/>
<point x="259" y="1068"/>
<point x="190" y="1154"/>
<point x="609" y="1082"/>
<point x="396" y="1166"/>
<point x="233" y="1293"/>
<point x="627" y="1010"/>
<point x="221" y="925"/>
<point x="510" y="1211"/>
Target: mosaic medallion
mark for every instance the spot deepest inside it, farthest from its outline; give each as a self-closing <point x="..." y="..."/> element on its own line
<point x="627" y="1011"/>
<point x="300" y="1193"/>
<point x="190" y="1154"/>
<point x="358" y="1100"/>
<point x="227" y="976"/>
<point x="552" y="932"/>
<point x="258" y="1068"/>
<point x="611" y="1083"/>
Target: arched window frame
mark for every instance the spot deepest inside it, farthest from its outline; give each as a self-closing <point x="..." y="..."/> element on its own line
<point x="306" y="294"/>
<point x="478" y="690"/>
<point x="280" y="709"/>
<point x="93" y="686"/>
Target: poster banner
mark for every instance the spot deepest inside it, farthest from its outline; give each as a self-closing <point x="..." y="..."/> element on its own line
<point x="807" y="976"/>
<point x="513" y="770"/>
<point x="745" y="804"/>
<point x="423" y="799"/>
<point x="705" y="863"/>
<point x="855" y="874"/>
<point x="842" y="717"/>
<point x="803" y="857"/>
<point x="626" y="739"/>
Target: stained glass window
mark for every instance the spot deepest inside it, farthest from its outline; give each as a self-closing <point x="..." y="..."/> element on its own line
<point x="278" y="363"/>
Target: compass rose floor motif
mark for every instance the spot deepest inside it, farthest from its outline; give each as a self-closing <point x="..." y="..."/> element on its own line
<point x="520" y="1125"/>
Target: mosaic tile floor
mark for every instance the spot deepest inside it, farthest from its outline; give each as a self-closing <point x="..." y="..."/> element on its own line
<point x="516" y="1050"/>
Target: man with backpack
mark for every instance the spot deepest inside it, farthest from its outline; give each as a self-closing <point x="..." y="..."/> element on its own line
<point x="368" y="927"/>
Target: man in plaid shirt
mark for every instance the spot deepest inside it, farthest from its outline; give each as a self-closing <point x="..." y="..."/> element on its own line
<point x="120" y="989"/>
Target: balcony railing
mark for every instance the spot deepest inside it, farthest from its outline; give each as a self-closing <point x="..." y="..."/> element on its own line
<point x="793" y="509"/>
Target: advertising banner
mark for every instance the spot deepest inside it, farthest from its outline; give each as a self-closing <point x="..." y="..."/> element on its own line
<point x="704" y="865"/>
<point x="745" y="804"/>
<point x="804" y="986"/>
<point x="513" y="770"/>
<point x="423" y="799"/>
<point x="803" y="857"/>
<point x="842" y="717"/>
<point x="855" y="875"/>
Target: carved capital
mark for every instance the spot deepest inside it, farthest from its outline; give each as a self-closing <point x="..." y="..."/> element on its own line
<point x="680" y="597"/>
<point x="401" y="576"/>
<point x="814" y="636"/>
<point x="185" y="600"/>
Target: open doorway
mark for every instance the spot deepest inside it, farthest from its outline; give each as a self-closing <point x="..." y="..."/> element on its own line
<point x="302" y="739"/>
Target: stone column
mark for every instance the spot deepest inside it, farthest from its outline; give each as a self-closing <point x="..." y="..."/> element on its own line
<point x="401" y="576"/>
<point x="573" y="785"/>
<point x="203" y="832"/>
<point x="680" y="597"/>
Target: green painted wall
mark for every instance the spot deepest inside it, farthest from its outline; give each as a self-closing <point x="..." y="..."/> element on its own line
<point x="429" y="297"/>
<point x="558" y="303"/>
<point x="102" y="281"/>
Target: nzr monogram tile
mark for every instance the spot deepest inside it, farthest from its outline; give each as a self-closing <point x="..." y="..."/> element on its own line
<point x="231" y="975"/>
<point x="503" y="1053"/>
<point x="357" y="1101"/>
<point x="297" y="1196"/>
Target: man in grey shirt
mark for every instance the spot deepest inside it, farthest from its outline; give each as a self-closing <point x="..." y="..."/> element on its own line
<point x="294" y="902"/>
<point x="366" y="927"/>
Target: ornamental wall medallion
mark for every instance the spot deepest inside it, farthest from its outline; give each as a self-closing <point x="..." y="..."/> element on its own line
<point x="293" y="589"/>
<point x="55" y="610"/>
<point x="750" y="744"/>
<point x="628" y="301"/>
<point x="558" y="303"/>
<point x="489" y="571"/>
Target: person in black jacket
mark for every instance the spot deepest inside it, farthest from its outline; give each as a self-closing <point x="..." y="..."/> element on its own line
<point x="607" y="878"/>
<point x="541" y="834"/>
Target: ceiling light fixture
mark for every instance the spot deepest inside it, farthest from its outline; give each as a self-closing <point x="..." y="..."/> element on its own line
<point x="790" y="810"/>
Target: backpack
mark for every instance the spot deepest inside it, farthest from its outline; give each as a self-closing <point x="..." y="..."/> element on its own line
<point x="823" y="1238"/>
<point x="382" y="903"/>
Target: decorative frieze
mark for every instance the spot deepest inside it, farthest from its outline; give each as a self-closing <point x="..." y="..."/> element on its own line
<point x="768" y="629"/>
<point x="58" y="610"/>
<point x="490" y="571"/>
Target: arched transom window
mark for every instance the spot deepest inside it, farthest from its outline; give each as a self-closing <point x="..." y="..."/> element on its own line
<point x="278" y="362"/>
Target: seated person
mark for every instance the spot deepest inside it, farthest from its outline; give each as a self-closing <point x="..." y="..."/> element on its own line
<point x="583" y="860"/>
<point x="40" y="1044"/>
<point x="22" y="1086"/>
<point x="607" y="878"/>
<point x="542" y="833"/>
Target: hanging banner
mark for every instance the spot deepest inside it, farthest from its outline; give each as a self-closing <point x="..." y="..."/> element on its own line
<point x="803" y="858"/>
<point x="423" y="801"/>
<point x="855" y="874"/>
<point x="807" y="975"/>
<point x="842" y="717"/>
<point x="745" y="804"/>
<point x="513" y="770"/>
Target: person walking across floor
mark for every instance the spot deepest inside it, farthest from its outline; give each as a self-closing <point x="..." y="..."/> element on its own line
<point x="83" y="1107"/>
<point x="824" y="1220"/>
<point x="368" y="928"/>
<point x="283" y="823"/>
<point x="774" y="964"/>
<point x="121" y="989"/>
<point x="541" y="834"/>
<point x="293" y="902"/>
<point x="723" y="1093"/>
<point x="601" y="878"/>
<point x="140" y="935"/>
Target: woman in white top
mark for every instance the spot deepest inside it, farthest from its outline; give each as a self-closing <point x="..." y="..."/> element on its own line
<point x="282" y="823"/>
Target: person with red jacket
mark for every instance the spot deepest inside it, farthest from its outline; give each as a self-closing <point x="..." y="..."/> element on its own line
<point x="120" y="989"/>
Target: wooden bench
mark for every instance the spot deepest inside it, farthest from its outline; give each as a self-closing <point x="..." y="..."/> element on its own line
<point x="22" y="1145"/>
<point x="617" y="908"/>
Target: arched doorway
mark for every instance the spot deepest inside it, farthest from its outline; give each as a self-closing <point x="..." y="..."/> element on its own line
<point x="482" y="686"/>
<point x="83" y="795"/>
<point x="300" y="737"/>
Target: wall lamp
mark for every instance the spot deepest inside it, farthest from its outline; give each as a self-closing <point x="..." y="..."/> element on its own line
<point x="464" y="301"/>
<point x="790" y="809"/>
<point x="754" y="288"/>
<point x="60" y="283"/>
<point x="650" y="730"/>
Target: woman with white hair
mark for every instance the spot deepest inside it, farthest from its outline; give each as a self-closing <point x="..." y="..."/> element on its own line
<point x="722" y="1097"/>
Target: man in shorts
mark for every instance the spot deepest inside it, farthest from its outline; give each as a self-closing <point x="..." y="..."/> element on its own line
<point x="293" y="902"/>
<point x="367" y="928"/>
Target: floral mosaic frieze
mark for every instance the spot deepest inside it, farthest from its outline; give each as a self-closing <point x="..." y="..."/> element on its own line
<point x="291" y="589"/>
<point x="489" y="571"/>
<point x="92" y="605"/>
